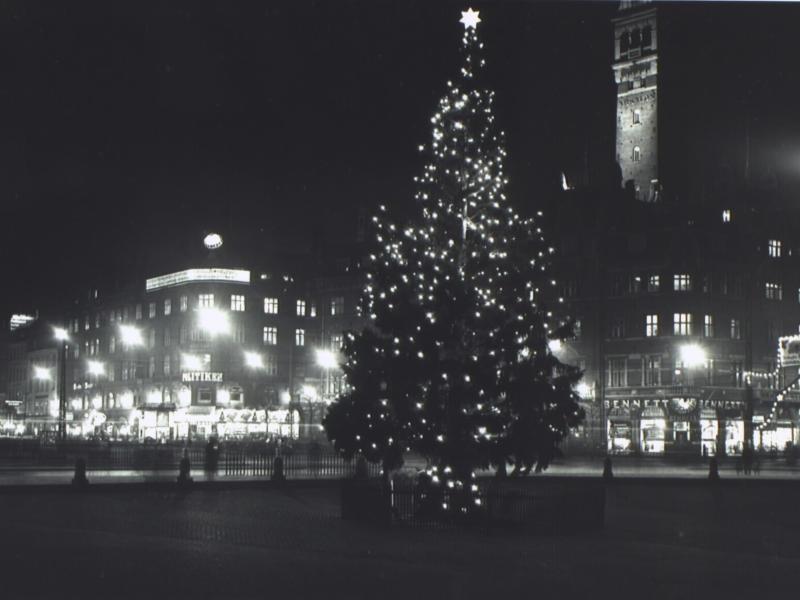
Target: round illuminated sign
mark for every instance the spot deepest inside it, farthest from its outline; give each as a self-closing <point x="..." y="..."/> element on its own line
<point x="213" y="241"/>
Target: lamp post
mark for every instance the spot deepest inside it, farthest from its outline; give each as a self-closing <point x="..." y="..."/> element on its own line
<point x="62" y="335"/>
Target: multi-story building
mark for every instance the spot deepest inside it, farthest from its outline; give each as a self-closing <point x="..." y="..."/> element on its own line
<point x="679" y="304"/>
<point x="29" y="375"/>
<point x="204" y="350"/>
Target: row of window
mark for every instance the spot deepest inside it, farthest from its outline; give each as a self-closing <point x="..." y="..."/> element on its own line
<point x="682" y="324"/>
<point x="681" y="282"/>
<point x="237" y="304"/>
<point x="128" y="370"/>
<point x="269" y="338"/>
<point x="652" y="370"/>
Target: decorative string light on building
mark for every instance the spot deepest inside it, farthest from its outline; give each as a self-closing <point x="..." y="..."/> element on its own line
<point x="460" y="363"/>
<point x="788" y="356"/>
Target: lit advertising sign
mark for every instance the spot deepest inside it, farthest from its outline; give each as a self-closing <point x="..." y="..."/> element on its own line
<point x="789" y="351"/>
<point x="190" y="376"/>
<point x="192" y="275"/>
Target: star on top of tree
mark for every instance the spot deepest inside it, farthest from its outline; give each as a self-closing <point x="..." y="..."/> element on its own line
<point x="470" y="18"/>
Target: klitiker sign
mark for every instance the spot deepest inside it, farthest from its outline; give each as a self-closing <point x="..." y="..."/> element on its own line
<point x="205" y="376"/>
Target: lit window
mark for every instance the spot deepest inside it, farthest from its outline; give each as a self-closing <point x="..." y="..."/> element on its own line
<point x="708" y="325"/>
<point x="301" y="308"/>
<point x="270" y="336"/>
<point x="653" y="283"/>
<point x="97" y="321"/>
<point x="637" y="154"/>
<point x="205" y="301"/>
<point x="681" y="282"/>
<point x="271" y="306"/>
<point x="151" y="310"/>
<point x="167" y="307"/>
<point x="237" y="302"/>
<point x="618" y="328"/>
<point x="151" y="367"/>
<point x="736" y="329"/>
<point x="86" y="323"/>
<point x="637" y="117"/>
<point x="651" y="325"/>
<point x="184" y="303"/>
<point x="337" y="306"/>
<point x="151" y="338"/>
<point x="138" y="312"/>
<point x="299" y="337"/>
<point x="682" y="324"/>
<point x="652" y="370"/>
<point x="312" y="310"/>
<point x="167" y="365"/>
<point x="774" y="248"/>
<point x="726" y="215"/>
<point x="112" y="344"/>
<point x="576" y="329"/>
<point x="774" y="291"/>
<point x="167" y="337"/>
<point x="336" y="341"/>
<point x="616" y="372"/>
<point x="271" y="364"/>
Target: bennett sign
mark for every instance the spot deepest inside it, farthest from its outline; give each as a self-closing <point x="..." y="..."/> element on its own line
<point x="208" y="376"/>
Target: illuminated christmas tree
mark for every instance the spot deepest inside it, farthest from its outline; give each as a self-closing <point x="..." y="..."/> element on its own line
<point x="457" y="365"/>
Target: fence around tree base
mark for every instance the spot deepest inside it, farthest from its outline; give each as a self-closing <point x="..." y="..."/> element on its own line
<point x="544" y="507"/>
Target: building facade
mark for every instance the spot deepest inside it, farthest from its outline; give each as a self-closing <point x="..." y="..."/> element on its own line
<point x="208" y="350"/>
<point x="680" y="305"/>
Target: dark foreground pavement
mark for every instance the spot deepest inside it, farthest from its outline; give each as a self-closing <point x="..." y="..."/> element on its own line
<point x="663" y="539"/>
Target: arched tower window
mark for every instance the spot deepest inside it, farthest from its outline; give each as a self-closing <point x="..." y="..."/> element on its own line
<point x="636" y="38"/>
<point x="647" y="37"/>
<point x="637" y="154"/>
<point x="624" y="43"/>
<point x="637" y="117"/>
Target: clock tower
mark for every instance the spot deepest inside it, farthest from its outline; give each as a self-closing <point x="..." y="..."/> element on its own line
<point x="636" y="75"/>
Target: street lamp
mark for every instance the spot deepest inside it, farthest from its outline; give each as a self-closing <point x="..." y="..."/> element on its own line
<point x="96" y="368"/>
<point x="253" y="360"/>
<point x="693" y="355"/>
<point x="42" y="373"/>
<point x="213" y="320"/>
<point x="62" y="335"/>
<point x="130" y="335"/>
<point x="326" y="359"/>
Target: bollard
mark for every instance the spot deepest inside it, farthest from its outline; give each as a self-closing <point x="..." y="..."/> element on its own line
<point x="713" y="469"/>
<point x="79" y="480"/>
<point x="185" y="470"/>
<point x="277" y="469"/>
<point x="608" y="473"/>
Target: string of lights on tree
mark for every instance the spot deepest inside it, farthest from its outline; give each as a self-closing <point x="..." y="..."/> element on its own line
<point x="456" y="363"/>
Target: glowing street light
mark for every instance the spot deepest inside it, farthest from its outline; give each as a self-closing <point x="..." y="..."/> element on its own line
<point x="192" y="362"/>
<point x="326" y="359"/>
<point x="213" y="320"/>
<point x="42" y="373"/>
<point x="584" y="389"/>
<point x="309" y="391"/>
<point x="130" y="335"/>
<point x="61" y="334"/>
<point x="554" y="345"/>
<point x="96" y="368"/>
<point x="253" y="360"/>
<point x="693" y="355"/>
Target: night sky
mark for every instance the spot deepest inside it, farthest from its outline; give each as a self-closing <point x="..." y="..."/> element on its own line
<point x="130" y="128"/>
